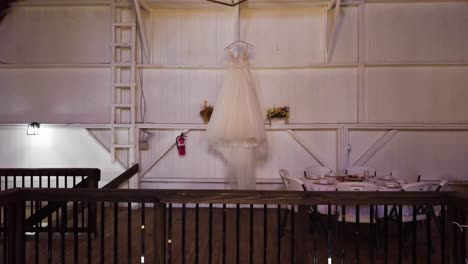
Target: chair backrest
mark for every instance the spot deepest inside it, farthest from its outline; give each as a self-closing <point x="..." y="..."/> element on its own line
<point x="359" y="170"/>
<point x="356" y="187"/>
<point x="291" y="183"/>
<point x="317" y="171"/>
<point x="441" y="186"/>
<point x="417" y="187"/>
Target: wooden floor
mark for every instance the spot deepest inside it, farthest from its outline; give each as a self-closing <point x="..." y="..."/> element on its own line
<point x="343" y="240"/>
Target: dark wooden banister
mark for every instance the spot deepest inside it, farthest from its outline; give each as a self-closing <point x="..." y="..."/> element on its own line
<point x="90" y="179"/>
<point x="238" y="196"/>
<point x="16" y="203"/>
<point x="49" y="209"/>
<point x="126" y="175"/>
<point x="93" y="173"/>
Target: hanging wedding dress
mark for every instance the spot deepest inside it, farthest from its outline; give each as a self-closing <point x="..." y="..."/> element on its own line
<point x="236" y="127"/>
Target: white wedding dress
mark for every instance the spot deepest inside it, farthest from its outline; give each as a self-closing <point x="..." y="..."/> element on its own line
<point x="236" y="126"/>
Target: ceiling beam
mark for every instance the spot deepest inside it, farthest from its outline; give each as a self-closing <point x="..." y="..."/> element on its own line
<point x="142" y="31"/>
<point x="145" y="6"/>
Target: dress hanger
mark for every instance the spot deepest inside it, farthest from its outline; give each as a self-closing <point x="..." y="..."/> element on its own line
<point x="230" y="46"/>
<point x="232" y="4"/>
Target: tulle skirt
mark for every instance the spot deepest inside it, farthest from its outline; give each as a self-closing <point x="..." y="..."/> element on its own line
<point x="237" y="127"/>
<point x="237" y="119"/>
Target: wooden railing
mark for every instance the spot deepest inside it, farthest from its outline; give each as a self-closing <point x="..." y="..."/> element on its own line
<point x="125" y="176"/>
<point x="214" y="226"/>
<point x="36" y="211"/>
<point x="11" y="178"/>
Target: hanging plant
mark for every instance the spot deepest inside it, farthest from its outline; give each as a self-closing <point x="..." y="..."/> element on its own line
<point x="277" y="113"/>
<point x="206" y="111"/>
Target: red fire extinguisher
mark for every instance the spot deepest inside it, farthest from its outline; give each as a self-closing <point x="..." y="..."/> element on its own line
<point x="180" y="142"/>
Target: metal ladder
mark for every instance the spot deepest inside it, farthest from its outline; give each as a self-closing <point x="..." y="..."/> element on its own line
<point x="123" y="90"/>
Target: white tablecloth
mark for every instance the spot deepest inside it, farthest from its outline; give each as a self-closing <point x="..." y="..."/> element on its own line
<point x="314" y="185"/>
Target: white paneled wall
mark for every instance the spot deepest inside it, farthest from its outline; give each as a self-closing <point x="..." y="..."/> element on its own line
<point x="416" y="95"/>
<point x="289" y="64"/>
<point x="191" y="37"/>
<point x="416" y="33"/>
<point x="176" y="96"/>
<point x="55" y="147"/>
<point x="433" y="153"/>
<point x="344" y="49"/>
<point x="314" y="95"/>
<point x="55" y="34"/>
<point x="390" y="92"/>
<point x="54" y="95"/>
<point x="172" y="166"/>
<point x="203" y="165"/>
<point x="283" y="37"/>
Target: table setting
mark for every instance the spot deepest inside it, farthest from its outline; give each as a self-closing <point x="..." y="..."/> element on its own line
<point x="329" y="183"/>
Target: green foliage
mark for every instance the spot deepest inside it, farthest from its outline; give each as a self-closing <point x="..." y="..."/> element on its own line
<point x="206" y="112"/>
<point x="277" y="113"/>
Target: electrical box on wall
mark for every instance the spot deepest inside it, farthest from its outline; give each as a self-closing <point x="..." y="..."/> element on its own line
<point x="145" y="139"/>
<point x="144" y="146"/>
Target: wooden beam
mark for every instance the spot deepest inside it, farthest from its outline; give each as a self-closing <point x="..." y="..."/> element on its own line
<point x="119" y="162"/>
<point x="145" y="6"/>
<point x="331" y="36"/>
<point x="314" y="155"/>
<point x="375" y="148"/>
<point x="141" y="26"/>
<point x="126" y="175"/>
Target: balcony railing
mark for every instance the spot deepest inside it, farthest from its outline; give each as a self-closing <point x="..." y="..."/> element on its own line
<point x="217" y="226"/>
<point x="49" y="178"/>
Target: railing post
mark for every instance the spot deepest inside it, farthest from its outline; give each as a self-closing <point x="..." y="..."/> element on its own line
<point x="159" y="231"/>
<point x="11" y="230"/>
<point x="93" y="184"/>
<point x="15" y="222"/>
<point x="453" y="245"/>
<point x="20" y="241"/>
<point x="301" y="232"/>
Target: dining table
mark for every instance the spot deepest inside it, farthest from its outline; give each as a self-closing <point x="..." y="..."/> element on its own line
<point x="329" y="183"/>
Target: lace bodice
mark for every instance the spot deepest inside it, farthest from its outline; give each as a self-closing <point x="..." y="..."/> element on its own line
<point x="238" y="57"/>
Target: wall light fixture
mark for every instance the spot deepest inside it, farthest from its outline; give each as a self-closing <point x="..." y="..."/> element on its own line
<point x="33" y="129"/>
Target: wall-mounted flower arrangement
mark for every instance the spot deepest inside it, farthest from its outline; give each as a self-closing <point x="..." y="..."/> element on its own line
<point x="206" y="111"/>
<point x="277" y="113"/>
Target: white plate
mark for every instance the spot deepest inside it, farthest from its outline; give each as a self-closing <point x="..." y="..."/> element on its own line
<point x="386" y="178"/>
<point x="391" y="185"/>
<point x="324" y="182"/>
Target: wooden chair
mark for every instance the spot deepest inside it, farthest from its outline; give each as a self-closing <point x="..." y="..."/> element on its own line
<point x="290" y="184"/>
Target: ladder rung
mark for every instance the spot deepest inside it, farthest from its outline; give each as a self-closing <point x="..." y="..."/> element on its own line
<point x="122" y="4"/>
<point x="122" y="105"/>
<point x="125" y="85"/>
<point x="122" y="24"/>
<point x="122" y="146"/>
<point x="125" y="125"/>
<point x="122" y="44"/>
<point x="122" y="64"/>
